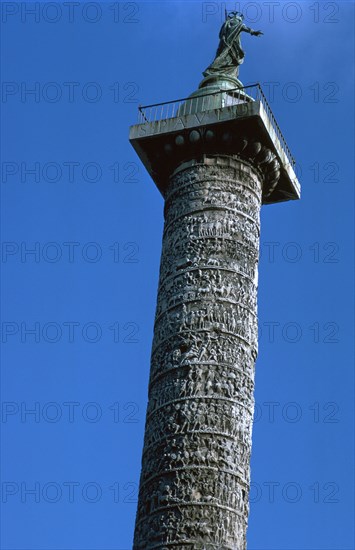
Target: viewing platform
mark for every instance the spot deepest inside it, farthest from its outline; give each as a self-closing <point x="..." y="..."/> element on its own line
<point x="235" y="121"/>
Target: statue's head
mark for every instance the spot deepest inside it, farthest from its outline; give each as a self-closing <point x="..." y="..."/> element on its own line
<point x="235" y="15"/>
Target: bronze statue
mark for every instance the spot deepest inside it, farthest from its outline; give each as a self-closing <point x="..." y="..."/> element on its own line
<point x="230" y="53"/>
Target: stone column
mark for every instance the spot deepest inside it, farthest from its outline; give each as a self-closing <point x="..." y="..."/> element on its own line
<point x="195" y="475"/>
<point x="215" y="159"/>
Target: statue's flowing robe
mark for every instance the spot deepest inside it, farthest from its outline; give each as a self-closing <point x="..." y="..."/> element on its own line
<point x="229" y="54"/>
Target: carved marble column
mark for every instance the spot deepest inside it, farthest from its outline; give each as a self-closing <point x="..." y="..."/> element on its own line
<point x="215" y="158"/>
<point x="195" y="469"/>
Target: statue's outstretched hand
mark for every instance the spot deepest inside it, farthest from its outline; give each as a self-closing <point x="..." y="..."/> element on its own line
<point x="257" y="33"/>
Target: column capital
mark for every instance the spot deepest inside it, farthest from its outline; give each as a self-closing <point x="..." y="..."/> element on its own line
<point x="245" y="128"/>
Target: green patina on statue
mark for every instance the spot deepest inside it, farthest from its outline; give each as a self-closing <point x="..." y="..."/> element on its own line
<point x="230" y="53"/>
<point x="222" y="74"/>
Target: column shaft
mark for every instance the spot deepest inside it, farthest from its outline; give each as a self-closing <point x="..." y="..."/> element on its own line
<point x="195" y="475"/>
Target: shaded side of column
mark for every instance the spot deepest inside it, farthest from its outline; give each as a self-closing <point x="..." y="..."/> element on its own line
<point x="195" y="477"/>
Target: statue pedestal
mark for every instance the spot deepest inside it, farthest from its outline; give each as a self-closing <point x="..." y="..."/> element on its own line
<point x="220" y="82"/>
<point x="208" y="96"/>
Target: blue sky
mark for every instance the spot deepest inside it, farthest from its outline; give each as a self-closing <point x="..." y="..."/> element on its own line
<point x="77" y="312"/>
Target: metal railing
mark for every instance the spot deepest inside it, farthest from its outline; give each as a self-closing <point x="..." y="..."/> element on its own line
<point x="275" y="126"/>
<point x="208" y="102"/>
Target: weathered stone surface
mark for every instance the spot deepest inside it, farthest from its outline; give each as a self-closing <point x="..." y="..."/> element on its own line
<point x="195" y="469"/>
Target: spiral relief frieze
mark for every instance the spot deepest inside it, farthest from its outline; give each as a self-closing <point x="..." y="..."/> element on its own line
<point x="195" y="476"/>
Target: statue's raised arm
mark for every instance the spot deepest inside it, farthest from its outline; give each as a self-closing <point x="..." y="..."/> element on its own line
<point x="230" y="53"/>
